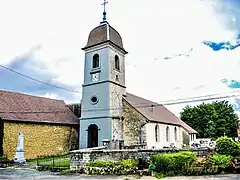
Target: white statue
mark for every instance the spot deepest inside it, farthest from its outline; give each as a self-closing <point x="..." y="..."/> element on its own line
<point x="19" y="156"/>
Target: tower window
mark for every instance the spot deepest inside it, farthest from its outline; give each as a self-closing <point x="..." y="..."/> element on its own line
<point x="117" y="63"/>
<point x="95" y="61"/>
<point x="117" y="78"/>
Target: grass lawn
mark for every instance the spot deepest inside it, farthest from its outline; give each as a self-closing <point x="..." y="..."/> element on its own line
<point x="62" y="163"/>
<point x="56" y="161"/>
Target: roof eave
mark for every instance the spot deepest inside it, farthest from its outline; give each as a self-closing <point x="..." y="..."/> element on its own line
<point x="107" y="41"/>
<point x="40" y="122"/>
<point x="155" y="121"/>
<point x="189" y="131"/>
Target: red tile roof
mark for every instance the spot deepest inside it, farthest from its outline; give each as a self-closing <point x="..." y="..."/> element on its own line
<point x="22" y="107"/>
<point x="159" y="114"/>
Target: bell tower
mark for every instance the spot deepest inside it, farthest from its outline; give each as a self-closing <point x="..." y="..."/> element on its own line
<point x="103" y="86"/>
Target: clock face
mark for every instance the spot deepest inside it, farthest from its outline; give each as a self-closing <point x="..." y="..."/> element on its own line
<point x="95" y="77"/>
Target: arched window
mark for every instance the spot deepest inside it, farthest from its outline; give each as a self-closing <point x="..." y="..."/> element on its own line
<point x="157" y="133"/>
<point x="95" y="63"/>
<point x="175" y="133"/>
<point x="167" y="133"/>
<point x="117" y="63"/>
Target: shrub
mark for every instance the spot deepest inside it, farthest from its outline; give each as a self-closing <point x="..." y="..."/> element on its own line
<point x="221" y="161"/>
<point x="124" y="167"/>
<point x="4" y="159"/>
<point x="129" y="163"/>
<point x="227" y="146"/>
<point x="103" y="164"/>
<point x="67" y="171"/>
<point x="237" y="157"/>
<point x="168" y="163"/>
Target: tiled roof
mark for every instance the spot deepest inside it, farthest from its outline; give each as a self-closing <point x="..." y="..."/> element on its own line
<point x="159" y="114"/>
<point x="102" y="34"/>
<point x="187" y="127"/>
<point x="22" y="107"/>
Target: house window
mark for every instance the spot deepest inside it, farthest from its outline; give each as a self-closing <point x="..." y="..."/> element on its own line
<point x="117" y="63"/>
<point x="95" y="63"/>
<point x="175" y="133"/>
<point x="157" y="133"/>
<point x="167" y="133"/>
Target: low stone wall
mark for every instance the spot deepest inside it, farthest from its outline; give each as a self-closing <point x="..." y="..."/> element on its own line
<point x="136" y="146"/>
<point x="79" y="158"/>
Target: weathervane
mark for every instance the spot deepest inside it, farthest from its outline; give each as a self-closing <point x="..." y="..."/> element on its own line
<point x="104" y="11"/>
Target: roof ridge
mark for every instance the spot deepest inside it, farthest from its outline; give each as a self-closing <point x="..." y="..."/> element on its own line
<point x="31" y="95"/>
<point x="143" y="98"/>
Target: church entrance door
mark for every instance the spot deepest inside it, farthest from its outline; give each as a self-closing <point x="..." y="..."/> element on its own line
<point x="92" y="136"/>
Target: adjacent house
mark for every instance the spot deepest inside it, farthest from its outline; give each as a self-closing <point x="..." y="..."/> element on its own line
<point x="48" y="125"/>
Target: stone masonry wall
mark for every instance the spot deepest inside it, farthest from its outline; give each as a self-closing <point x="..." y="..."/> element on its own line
<point x="39" y="139"/>
<point x="80" y="158"/>
<point x="133" y="126"/>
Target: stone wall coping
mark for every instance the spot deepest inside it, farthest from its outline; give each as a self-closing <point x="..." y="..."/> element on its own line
<point x="104" y="150"/>
<point x="89" y="149"/>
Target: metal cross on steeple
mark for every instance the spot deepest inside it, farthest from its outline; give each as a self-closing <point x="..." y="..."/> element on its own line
<point x="104" y="11"/>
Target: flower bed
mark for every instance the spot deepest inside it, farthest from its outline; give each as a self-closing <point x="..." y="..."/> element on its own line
<point x="125" y="167"/>
<point x="110" y="170"/>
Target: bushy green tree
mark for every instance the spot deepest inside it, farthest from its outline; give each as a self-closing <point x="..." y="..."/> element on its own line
<point x="1" y="136"/>
<point x="227" y="146"/>
<point x="212" y="120"/>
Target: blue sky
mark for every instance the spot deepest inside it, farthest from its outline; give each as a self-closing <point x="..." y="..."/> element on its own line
<point x="176" y="49"/>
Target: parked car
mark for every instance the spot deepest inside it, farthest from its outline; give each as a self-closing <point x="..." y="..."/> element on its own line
<point x="203" y="142"/>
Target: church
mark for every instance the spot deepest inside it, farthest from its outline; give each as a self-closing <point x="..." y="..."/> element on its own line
<point x="109" y="112"/>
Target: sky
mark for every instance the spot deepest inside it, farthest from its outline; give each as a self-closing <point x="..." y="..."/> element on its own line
<point x="177" y="49"/>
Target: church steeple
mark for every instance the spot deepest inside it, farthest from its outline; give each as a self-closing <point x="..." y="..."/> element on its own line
<point x="104" y="12"/>
<point x="103" y="86"/>
<point x="104" y="34"/>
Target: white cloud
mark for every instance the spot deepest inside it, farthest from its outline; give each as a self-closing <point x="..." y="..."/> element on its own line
<point x="204" y="68"/>
<point x="50" y="95"/>
<point x="153" y="29"/>
<point x="74" y="99"/>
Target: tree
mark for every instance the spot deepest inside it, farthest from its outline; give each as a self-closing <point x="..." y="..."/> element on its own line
<point x="212" y="120"/>
<point x="1" y="136"/>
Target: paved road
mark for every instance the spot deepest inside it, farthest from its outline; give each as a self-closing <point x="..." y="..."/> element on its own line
<point x="218" y="177"/>
<point x="17" y="174"/>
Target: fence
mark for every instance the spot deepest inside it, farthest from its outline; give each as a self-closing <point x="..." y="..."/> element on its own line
<point x="54" y="163"/>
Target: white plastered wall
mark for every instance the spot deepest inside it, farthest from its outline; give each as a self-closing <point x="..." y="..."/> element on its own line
<point x="151" y="138"/>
